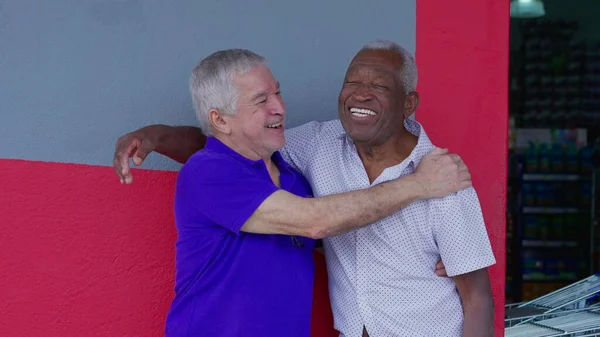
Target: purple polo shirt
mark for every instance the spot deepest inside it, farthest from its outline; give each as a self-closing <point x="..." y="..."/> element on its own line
<point x="231" y="283"/>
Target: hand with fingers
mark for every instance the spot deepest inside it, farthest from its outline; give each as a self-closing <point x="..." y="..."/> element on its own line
<point x="136" y="145"/>
<point x="441" y="173"/>
<point x="440" y="269"/>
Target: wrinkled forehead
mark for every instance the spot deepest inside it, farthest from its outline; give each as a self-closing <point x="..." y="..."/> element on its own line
<point x="257" y="78"/>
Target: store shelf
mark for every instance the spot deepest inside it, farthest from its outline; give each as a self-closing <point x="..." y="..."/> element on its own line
<point x="548" y="228"/>
<point x="553" y="177"/>
<point x="558" y="279"/>
<point x="549" y="244"/>
<point x="551" y="210"/>
<point x="552" y="231"/>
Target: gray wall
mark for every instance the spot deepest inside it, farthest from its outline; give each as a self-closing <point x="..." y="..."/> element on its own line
<point x="75" y="75"/>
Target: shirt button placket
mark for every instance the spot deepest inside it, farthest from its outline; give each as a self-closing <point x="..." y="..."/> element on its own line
<point x="362" y="273"/>
<point x="361" y="278"/>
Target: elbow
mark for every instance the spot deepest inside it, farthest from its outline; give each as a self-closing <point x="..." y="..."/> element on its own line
<point x="317" y="233"/>
<point x="316" y="229"/>
<point x="479" y="317"/>
<point x="315" y="218"/>
<point x="306" y="230"/>
<point x="319" y="224"/>
<point x="480" y="304"/>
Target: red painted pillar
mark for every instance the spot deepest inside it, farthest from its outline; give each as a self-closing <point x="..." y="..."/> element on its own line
<point x="462" y="56"/>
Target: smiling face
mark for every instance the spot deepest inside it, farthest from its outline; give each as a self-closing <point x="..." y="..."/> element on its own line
<point x="373" y="102"/>
<point x="257" y="128"/>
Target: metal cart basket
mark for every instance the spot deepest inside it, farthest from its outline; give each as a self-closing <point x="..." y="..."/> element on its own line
<point x="570" y="311"/>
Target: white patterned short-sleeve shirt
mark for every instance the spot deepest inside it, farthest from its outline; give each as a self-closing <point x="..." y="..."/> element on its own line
<point x="382" y="276"/>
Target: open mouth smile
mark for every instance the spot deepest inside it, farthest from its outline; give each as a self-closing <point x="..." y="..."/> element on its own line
<point x="361" y="113"/>
<point x="275" y="126"/>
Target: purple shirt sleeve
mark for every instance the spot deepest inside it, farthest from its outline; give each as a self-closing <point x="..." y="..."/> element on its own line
<point x="223" y="189"/>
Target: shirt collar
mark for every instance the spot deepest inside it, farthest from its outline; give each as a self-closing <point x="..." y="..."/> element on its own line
<point x="424" y="144"/>
<point x="215" y="145"/>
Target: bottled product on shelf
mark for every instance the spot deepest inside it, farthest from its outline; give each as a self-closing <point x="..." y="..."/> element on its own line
<point x="548" y="215"/>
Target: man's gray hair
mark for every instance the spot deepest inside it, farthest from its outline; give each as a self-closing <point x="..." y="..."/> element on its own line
<point x="212" y="86"/>
<point x="409" y="74"/>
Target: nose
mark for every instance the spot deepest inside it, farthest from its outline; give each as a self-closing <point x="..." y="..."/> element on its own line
<point x="277" y="106"/>
<point x="362" y="94"/>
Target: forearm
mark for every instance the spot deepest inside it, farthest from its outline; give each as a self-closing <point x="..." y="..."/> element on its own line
<point x="179" y="142"/>
<point x="478" y="318"/>
<point x="477" y="302"/>
<point x="340" y="213"/>
<point x="284" y="213"/>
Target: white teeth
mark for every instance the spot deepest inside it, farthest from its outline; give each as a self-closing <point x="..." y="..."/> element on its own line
<point x="274" y="126"/>
<point x="362" y="112"/>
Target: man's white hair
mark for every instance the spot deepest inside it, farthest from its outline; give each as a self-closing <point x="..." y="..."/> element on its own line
<point x="409" y="74"/>
<point x="212" y="86"/>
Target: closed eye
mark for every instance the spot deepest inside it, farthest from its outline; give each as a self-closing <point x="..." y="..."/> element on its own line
<point x="278" y="93"/>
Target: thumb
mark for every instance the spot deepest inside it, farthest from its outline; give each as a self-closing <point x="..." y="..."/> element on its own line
<point x="140" y="155"/>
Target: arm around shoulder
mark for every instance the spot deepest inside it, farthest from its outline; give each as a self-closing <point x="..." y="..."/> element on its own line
<point x="438" y="174"/>
<point x="177" y="143"/>
<point x="285" y="213"/>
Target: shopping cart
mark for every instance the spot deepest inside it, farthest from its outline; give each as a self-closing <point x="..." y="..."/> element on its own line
<point x="570" y="311"/>
<point x="565" y="323"/>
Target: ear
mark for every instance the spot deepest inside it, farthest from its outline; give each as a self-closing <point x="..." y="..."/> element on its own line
<point x="411" y="103"/>
<point x="220" y="122"/>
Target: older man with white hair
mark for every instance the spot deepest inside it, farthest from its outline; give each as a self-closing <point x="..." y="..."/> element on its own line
<point x="380" y="277"/>
<point x="246" y="219"/>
